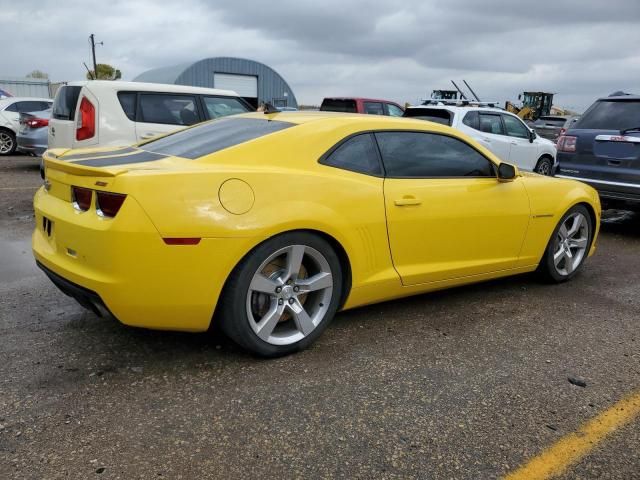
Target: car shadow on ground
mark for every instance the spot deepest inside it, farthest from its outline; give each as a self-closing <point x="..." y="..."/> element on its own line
<point x="118" y="346"/>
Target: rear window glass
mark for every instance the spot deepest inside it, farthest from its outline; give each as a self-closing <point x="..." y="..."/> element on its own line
<point x="214" y="136"/>
<point x="373" y="108"/>
<point x="437" y="115"/>
<point x="337" y="105"/>
<point x="611" y="115"/>
<point x="554" y="122"/>
<point x="64" y="105"/>
<point x="357" y="154"/>
<point x="128" y="104"/>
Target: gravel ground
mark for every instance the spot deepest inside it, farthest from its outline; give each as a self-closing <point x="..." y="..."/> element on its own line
<point x="468" y="383"/>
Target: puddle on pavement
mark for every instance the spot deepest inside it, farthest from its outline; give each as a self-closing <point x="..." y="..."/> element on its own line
<point x="16" y="260"/>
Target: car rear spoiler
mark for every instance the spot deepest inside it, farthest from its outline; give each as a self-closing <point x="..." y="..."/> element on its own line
<point x="50" y="160"/>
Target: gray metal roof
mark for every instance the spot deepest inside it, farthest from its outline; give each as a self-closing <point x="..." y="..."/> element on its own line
<point x="271" y="85"/>
<point x="163" y="74"/>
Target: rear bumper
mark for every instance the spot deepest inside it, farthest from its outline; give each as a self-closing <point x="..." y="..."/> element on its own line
<point x="122" y="268"/>
<point x="85" y="297"/>
<point x="28" y="144"/>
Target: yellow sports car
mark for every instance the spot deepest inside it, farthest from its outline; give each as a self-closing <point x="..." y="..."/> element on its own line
<point x="270" y="223"/>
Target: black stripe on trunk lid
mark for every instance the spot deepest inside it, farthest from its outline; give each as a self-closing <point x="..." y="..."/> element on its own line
<point x="139" y="157"/>
<point x="81" y="156"/>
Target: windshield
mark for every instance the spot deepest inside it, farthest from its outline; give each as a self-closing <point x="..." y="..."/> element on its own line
<point x="437" y="115"/>
<point x="338" y="105"/>
<point x="213" y="136"/>
<point x="611" y="115"/>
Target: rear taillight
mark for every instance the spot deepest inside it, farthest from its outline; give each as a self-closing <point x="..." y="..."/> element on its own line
<point x="86" y="122"/>
<point x="108" y="204"/>
<point x="562" y="131"/>
<point x="567" y="143"/>
<point x="37" y="122"/>
<point x="81" y="198"/>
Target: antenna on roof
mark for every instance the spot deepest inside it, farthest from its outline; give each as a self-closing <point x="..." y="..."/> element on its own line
<point x="267" y="108"/>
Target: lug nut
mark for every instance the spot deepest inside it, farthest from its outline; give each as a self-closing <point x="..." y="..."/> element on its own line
<point x="291" y="301"/>
<point x="280" y="301"/>
<point x="296" y="289"/>
<point x="278" y="289"/>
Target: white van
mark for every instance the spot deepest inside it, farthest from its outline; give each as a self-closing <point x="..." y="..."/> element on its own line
<point x="102" y="112"/>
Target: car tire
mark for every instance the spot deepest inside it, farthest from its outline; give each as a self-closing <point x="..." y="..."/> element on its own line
<point x="568" y="246"/>
<point x="281" y="297"/>
<point x="544" y="166"/>
<point x="8" y="142"/>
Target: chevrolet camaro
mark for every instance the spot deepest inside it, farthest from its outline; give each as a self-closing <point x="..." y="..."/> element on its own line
<point x="269" y="223"/>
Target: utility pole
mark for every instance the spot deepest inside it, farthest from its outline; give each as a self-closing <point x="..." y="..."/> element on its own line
<point x="93" y="53"/>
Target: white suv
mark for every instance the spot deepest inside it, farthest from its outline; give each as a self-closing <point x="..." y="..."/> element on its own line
<point x="10" y="110"/>
<point x="101" y="112"/>
<point x="501" y="132"/>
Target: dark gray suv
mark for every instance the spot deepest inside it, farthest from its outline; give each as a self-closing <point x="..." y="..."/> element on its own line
<point x="603" y="150"/>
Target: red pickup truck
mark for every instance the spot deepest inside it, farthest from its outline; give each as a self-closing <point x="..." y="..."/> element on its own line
<point x="361" y="105"/>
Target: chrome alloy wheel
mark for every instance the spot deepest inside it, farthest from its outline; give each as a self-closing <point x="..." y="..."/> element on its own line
<point x="289" y="294"/>
<point x="544" y="168"/>
<point x="6" y="143"/>
<point x="571" y="243"/>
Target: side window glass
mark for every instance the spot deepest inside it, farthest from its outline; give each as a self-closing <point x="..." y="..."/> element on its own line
<point x="168" y="109"/>
<point x="472" y="120"/>
<point x="12" y="108"/>
<point x="428" y="155"/>
<point x="223" y="106"/>
<point x="29" y="106"/>
<point x="394" y="110"/>
<point x="357" y="154"/>
<point x="491" y="123"/>
<point x="373" y="108"/>
<point x="514" y="127"/>
<point x="128" y="103"/>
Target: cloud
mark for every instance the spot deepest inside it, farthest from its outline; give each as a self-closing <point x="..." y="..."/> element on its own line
<point x="393" y="49"/>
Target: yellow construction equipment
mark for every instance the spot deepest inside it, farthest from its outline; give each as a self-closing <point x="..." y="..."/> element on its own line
<point x="534" y="105"/>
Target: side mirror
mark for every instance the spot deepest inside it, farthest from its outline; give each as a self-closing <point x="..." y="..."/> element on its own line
<point x="532" y="136"/>
<point x="506" y="172"/>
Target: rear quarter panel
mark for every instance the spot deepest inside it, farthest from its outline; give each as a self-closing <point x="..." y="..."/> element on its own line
<point x="290" y="189"/>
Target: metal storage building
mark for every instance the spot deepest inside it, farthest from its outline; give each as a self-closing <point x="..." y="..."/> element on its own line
<point x="25" y="86"/>
<point x="254" y="81"/>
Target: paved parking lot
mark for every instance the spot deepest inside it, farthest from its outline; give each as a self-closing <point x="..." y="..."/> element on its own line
<point x="467" y="383"/>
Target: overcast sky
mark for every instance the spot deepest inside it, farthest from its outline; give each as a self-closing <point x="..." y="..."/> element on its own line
<point x="399" y="50"/>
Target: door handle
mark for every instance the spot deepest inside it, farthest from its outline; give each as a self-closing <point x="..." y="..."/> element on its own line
<point x="147" y="136"/>
<point x="514" y="143"/>
<point x="485" y="140"/>
<point x="407" y="200"/>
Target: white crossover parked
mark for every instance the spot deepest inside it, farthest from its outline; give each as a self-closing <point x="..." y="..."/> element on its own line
<point x="10" y="110"/>
<point x="501" y="132"/>
<point x="101" y="112"/>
